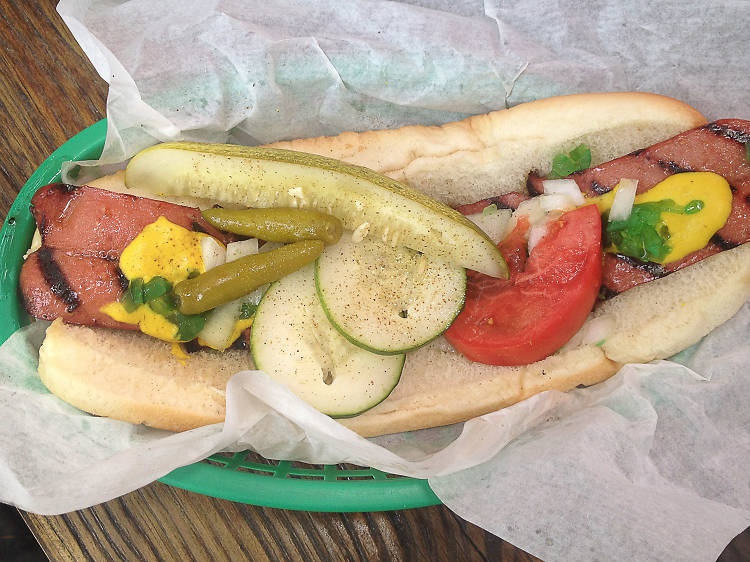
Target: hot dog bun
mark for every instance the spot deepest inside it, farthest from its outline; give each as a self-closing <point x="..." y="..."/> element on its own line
<point x="492" y="154"/>
<point x="458" y="163"/>
<point x="128" y="376"/>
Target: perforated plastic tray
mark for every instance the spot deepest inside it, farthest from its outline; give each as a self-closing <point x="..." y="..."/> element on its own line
<point x="243" y="477"/>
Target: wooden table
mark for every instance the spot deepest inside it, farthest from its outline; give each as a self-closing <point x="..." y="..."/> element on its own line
<point x="49" y="92"/>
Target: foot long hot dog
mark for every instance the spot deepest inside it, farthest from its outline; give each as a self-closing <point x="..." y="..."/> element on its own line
<point x="522" y="318"/>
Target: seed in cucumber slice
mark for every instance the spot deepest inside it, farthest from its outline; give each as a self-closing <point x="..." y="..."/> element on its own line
<point x="387" y="300"/>
<point x="266" y="177"/>
<point x="294" y="343"/>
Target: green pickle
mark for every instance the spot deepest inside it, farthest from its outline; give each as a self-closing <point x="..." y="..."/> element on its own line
<point x="237" y="278"/>
<point x="278" y="224"/>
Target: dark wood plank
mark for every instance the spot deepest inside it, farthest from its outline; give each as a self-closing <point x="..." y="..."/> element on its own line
<point x="160" y="522"/>
<point x="48" y="93"/>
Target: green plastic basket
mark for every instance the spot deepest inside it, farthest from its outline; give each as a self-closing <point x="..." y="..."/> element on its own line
<point x="243" y="477"/>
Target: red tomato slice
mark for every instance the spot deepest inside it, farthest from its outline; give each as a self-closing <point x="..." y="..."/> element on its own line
<point x="545" y="301"/>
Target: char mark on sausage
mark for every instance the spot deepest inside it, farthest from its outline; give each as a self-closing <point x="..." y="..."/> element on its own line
<point x="650" y="268"/>
<point x="673" y="167"/>
<point x="124" y="282"/>
<point x="55" y="279"/>
<point x="727" y="128"/>
<point x="55" y="284"/>
<point x="598" y="188"/>
<point x="723" y="244"/>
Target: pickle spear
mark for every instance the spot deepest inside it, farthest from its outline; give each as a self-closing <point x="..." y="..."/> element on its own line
<point x="363" y="200"/>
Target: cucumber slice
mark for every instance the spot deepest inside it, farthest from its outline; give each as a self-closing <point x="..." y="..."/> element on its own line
<point x="293" y="342"/>
<point x="268" y="177"/>
<point x="387" y="300"/>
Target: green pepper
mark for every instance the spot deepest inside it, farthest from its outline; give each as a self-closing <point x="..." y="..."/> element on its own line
<point x="574" y="161"/>
<point x="490" y="209"/>
<point x="156" y="287"/>
<point x="277" y="225"/>
<point x="164" y="304"/>
<point x="188" y="325"/>
<point x="237" y="278"/>
<point x="643" y="235"/>
<point x="127" y="302"/>
<point x="132" y="298"/>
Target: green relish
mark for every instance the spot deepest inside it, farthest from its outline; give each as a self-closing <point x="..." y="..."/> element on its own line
<point x="158" y="294"/>
<point x="644" y="235"/>
<point x="574" y="161"/>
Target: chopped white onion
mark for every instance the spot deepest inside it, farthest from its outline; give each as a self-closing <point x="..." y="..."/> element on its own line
<point x="214" y="252"/>
<point x="594" y="331"/>
<point x="564" y="187"/>
<point x="556" y="202"/>
<point x="536" y="233"/>
<point x="597" y="330"/>
<point x="531" y="208"/>
<point x="236" y="250"/>
<point x="622" y="204"/>
<point x="493" y="225"/>
<point x="564" y="195"/>
<point x="270" y="246"/>
<point x="256" y="295"/>
<point x="220" y="323"/>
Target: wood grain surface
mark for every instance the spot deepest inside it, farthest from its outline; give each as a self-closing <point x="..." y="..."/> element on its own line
<point x="49" y="92"/>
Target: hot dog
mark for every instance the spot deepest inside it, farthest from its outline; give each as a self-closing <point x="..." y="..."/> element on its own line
<point x="455" y="163"/>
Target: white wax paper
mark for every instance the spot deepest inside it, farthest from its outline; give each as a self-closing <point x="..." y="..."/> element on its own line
<point x="651" y="465"/>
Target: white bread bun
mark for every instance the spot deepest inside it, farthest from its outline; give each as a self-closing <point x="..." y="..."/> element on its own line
<point x="492" y="154"/>
<point x="440" y="386"/>
<point x="660" y="318"/>
<point x="128" y="376"/>
<point x="458" y="163"/>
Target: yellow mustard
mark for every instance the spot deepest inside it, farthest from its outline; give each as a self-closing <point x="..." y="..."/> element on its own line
<point x="164" y="249"/>
<point x="241" y="325"/>
<point x="149" y="322"/>
<point x="161" y="249"/>
<point x="688" y="232"/>
<point x="179" y="353"/>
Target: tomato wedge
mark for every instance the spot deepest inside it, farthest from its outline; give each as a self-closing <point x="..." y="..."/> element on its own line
<point x="546" y="300"/>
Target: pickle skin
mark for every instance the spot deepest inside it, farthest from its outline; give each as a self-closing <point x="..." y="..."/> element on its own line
<point x="277" y="224"/>
<point x="265" y="177"/>
<point x="235" y="279"/>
